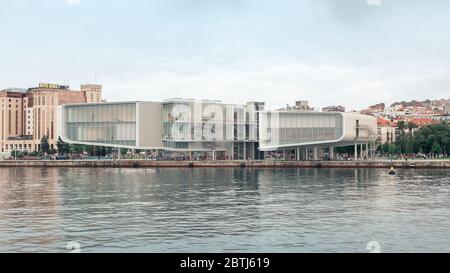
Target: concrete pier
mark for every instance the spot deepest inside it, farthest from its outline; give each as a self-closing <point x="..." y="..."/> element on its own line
<point x="427" y="164"/>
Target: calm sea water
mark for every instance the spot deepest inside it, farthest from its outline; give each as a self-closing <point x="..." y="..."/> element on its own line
<point x="224" y="210"/>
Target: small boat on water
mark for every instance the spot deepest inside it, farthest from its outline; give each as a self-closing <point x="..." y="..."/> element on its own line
<point x="392" y="171"/>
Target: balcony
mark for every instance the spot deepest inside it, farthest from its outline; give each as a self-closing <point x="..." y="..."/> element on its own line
<point x="20" y="138"/>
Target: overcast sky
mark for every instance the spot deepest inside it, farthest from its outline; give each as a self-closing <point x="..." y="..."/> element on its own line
<point x="349" y="52"/>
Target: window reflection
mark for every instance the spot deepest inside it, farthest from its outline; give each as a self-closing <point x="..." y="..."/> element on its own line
<point x="111" y="124"/>
<point x="305" y="128"/>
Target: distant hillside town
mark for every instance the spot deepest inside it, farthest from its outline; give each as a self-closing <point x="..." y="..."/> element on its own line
<point x="416" y="114"/>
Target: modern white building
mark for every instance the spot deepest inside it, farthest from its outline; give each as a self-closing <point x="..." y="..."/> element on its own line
<point x="310" y="132"/>
<point x="228" y="131"/>
<point x="127" y="125"/>
<point x="223" y="131"/>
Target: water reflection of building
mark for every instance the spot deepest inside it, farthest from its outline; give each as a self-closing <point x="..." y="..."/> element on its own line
<point x="32" y="206"/>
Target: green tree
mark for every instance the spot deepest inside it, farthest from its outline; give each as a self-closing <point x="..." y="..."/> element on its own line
<point x="384" y="149"/>
<point x="34" y="154"/>
<point x="102" y="151"/>
<point x="402" y="126"/>
<point x="409" y="147"/>
<point x="401" y="142"/>
<point x="428" y="138"/>
<point x="123" y="151"/>
<point x="436" y="148"/>
<point x="44" y="144"/>
<point x="411" y="126"/>
<point x="77" y="149"/>
<point x="17" y="154"/>
<point x="63" y="148"/>
<point x="394" y="149"/>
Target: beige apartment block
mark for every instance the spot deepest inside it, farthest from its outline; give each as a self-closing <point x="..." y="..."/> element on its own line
<point x="27" y="115"/>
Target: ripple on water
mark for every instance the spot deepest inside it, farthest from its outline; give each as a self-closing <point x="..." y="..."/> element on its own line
<point x="215" y="210"/>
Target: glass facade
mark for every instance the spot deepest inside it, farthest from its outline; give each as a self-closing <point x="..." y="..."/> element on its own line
<point x="174" y="125"/>
<point x="212" y="126"/>
<point x="183" y="119"/>
<point x="181" y="127"/>
<point x="113" y="124"/>
<point x="301" y="128"/>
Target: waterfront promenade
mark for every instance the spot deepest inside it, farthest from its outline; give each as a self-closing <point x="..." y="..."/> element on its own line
<point x="429" y="164"/>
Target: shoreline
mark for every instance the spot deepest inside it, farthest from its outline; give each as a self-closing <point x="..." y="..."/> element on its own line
<point x="378" y="164"/>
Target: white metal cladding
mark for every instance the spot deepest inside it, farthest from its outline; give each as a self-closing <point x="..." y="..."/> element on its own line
<point x="150" y="125"/>
<point x="288" y="129"/>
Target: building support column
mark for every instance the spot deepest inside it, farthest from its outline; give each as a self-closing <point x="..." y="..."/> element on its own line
<point x="362" y="151"/>
<point x="367" y="151"/>
<point x="232" y="152"/>
<point x="371" y="150"/>
<point x="315" y="154"/>
<point x="356" y="151"/>
<point x="331" y="153"/>
<point x="245" y="151"/>
<point x="298" y="154"/>
<point x="374" y="152"/>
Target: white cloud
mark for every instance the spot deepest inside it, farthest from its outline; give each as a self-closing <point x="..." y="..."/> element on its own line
<point x="277" y="84"/>
<point x="73" y="2"/>
<point x="374" y="2"/>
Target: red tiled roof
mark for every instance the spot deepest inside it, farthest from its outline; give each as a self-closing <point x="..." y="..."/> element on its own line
<point x="382" y="121"/>
<point x="422" y="121"/>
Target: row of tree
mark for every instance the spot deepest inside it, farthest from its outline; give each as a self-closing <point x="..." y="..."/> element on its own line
<point x="432" y="139"/>
<point x="63" y="149"/>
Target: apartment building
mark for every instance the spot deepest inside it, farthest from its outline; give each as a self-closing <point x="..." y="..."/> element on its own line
<point x="27" y="115"/>
<point x="333" y="108"/>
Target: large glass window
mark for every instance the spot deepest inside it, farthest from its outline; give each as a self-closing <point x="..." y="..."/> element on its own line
<point x="297" y="128"/>
<point x="113" y="124"/>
